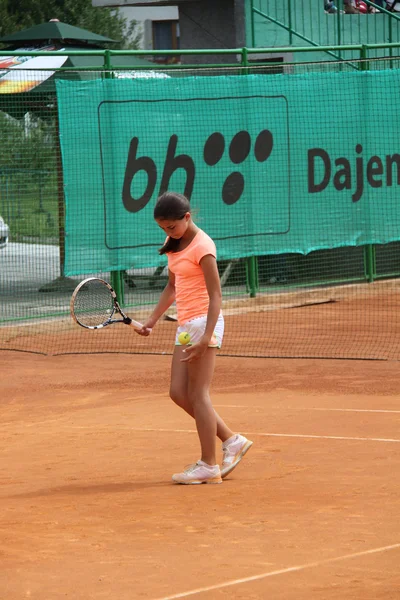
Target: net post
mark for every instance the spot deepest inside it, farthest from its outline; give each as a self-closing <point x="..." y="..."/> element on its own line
<point x="118" y="285"/>
<point x="370" y="262"/>
<point x="252" y="275"/>
<point x="251" y="263"/>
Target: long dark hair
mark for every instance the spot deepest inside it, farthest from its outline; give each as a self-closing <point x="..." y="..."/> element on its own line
<point x="171" y="206"/>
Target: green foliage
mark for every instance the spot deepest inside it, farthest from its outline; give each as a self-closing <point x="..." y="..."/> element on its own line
<point x="28" y="148"/>
<point x="28" y="187"/>
<point x="16" y="15"/>
<point x="28" y="144"/>
<point x="28" y="203"/>
<point x="8" y="23"/>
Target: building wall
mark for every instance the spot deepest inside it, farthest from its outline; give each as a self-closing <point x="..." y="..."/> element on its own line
<point x="212" y="24"/>
<point x="228" y="24"/>
<point x="207" y="24"/>
<point x="144" y="15"/>
<point x="203" y="24"/>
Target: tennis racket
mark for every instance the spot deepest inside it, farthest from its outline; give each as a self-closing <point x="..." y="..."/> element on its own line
<point x="94" y="305"/>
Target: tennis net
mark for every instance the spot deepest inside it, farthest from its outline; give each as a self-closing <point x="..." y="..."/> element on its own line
<point x="299" y="194"/>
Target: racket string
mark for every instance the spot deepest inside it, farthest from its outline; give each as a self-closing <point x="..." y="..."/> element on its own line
<point x="94" y="304"/>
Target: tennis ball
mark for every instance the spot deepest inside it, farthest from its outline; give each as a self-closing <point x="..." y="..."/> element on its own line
<point x="184" y="338"/>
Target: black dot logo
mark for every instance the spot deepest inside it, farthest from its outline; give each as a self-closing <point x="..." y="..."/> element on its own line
<point x="240" y="147"/>
<point x="263" y="145"/>
<point x="214" y="149"/>
<point x="233" y="188"/>
<point x="239" y="150"/>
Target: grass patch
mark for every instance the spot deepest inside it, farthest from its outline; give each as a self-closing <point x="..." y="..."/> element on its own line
<point x="29" y="205"/>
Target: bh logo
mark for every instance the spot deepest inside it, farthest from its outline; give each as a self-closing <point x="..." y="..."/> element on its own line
<point x="238" y="149"/>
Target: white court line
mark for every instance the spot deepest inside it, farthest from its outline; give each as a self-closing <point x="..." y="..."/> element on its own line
<point x="251" y="433"/>
<point x="310" y="565"/>
<point x="19" y="423"/>
<point x="361" y="410"/>
<point x="292" y="435"/>
<point x="366" y="410"/>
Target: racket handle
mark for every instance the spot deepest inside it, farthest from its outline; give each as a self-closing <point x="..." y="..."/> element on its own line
<point x="135" y="324"/>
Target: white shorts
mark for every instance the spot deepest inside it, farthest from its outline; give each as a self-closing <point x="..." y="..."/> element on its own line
<point x="196" y="328"/>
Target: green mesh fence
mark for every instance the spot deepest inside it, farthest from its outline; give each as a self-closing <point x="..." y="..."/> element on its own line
<point x="289" y="23"/>
<point x="295" y="176"/>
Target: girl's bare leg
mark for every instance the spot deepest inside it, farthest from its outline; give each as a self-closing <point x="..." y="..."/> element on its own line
<point x="179" y="390"/>
<point x="200" y="373"/>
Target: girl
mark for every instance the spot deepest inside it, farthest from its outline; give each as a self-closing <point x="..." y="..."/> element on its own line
<point x="195" y="286"/>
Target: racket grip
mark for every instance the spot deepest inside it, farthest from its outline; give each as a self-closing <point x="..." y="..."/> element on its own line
<point x="135" y="324"/>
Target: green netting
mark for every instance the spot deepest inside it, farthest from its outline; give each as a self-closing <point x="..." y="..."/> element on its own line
<point x="308" y="262"/>
<point x="262" y="180"/>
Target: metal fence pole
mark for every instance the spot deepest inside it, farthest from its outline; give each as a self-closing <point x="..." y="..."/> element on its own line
<point x="116" y="277"/>
<point x="252" y="262"/>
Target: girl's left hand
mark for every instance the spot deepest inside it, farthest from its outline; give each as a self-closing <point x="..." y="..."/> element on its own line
<point x="195" y="351"/>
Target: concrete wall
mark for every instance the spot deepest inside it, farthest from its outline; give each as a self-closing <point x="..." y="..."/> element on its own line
<point x="203" y="24"/>
<point x="228" y="24"/>
<point x="212" y="24"/>
<point x="142" y="14"/>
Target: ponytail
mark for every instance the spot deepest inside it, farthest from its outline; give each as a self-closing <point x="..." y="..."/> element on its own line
<point x="171" y="245"/>
<point x="171" y="206"/>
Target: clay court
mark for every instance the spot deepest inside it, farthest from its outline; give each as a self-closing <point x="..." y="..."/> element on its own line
<point x="89" y="510"/>
<point x="309" y="367"/>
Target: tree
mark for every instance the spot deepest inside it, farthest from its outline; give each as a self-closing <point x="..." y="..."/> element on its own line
<point x="8" y="23"/>
<point x="26" y="144"/>
<point x="16" y="15"/>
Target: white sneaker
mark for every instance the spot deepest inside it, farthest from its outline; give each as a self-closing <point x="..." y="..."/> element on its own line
<point x="200" y="472"/>
<point x="234" y="449"/>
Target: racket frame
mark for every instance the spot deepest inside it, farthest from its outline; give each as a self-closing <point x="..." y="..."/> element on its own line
<point x="116" y="308"/>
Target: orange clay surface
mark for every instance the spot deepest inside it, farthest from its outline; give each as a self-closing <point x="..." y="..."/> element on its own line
<point x="88" y="510"/>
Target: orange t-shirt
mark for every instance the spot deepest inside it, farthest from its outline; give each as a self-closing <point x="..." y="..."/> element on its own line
<point x="191" y="293"/>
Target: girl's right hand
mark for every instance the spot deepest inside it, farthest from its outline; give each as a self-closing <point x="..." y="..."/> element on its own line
<point x="146" y="329"/>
